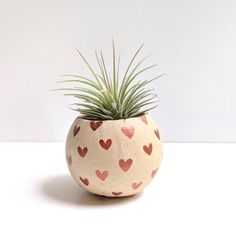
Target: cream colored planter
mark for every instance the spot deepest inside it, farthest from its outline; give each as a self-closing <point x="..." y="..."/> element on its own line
<point x="114" y="158"/>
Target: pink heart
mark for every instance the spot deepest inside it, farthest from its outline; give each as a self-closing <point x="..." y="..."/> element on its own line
<point x="154" y="173"/>
<point x="116" y="193"/>
<point x="102" y="175"/>
<point x="85" y="181"/>
<point x="144" y="119"/>
<point x="148" y="149"/>
<point x="76" y="130"/>
<point x="95" y="124"/>
<point x="157" y="133"/>
<point x="82" y="151"/>
<point x="125" y="165"/>
<point x="69" y="160"/>
<point x="136" y="185"/>
<point x="105" y="144"/>
<point x="129" y="132"/>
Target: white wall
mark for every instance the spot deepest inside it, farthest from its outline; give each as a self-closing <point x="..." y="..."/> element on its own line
<point x="194" y="42"/>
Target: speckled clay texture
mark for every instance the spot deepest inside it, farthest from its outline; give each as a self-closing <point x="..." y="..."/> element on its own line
<point x="114" y="158"/>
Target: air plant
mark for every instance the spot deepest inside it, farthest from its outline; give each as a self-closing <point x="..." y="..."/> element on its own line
<point x="110" y="96"/>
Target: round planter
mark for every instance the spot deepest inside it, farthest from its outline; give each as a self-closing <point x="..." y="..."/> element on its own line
<point x="114" y="158"/>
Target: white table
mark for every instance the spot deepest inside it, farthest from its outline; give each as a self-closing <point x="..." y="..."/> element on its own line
<point x="194" y="193"/>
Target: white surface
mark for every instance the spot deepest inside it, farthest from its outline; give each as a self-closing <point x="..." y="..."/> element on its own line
<point x="193" y="42"/>
<point x="193" y="194"/>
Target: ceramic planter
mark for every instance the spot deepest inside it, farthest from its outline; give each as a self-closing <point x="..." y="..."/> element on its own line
<point x="114" y="158"/>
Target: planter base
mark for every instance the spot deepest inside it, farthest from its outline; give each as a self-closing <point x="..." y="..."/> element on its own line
<point x="114" y="158"/>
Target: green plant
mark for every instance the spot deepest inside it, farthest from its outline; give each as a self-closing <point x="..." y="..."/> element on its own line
<point x="107" y="96"/>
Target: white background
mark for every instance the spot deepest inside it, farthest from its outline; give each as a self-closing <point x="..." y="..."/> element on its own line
<point x="193" y="194"/>
<point x="193" y="42"/>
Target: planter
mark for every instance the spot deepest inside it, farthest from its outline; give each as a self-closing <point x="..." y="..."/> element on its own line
<point x="114" y="158"/>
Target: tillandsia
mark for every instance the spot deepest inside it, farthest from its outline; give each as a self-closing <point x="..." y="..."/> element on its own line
<point x="110" y="96"/>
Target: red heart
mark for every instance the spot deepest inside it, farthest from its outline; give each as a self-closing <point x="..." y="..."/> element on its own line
<point x="144" y="119"/>
<point x="125" y="165"/>
<point x="82" y="151"/>
<point x="85" y="181"/>
<point x="76" y="130"/>
<point x="116" y="193"/>
<point x="102" y="175"/>
<point x="129" y="132"/>
<point x="106" y="144"/>
<point x="148" y="149"/>
<point x="154" y="173"/>
<point x="69" y="160"/>
<point x="136" y="185"/>
<point x="95" y="124"/>
<point x="157" y="133"/>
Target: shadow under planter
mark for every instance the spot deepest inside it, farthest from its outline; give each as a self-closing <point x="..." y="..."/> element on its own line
<point x="63" y="189"/>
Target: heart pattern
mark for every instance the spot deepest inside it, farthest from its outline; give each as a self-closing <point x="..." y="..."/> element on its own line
<point x="85" y="181"/>
<point x="136" y="185"/>
<point x="148" y="149"/>
<point x="95" y="124"/>
<point x="129" y="132"/>
<point x="116" y="193"/>
<point x="117" y="157"/>
<point x="157" y="133"/>
<point x="144" y="119"/>
<point x="105" y="144"/>
<point x="125" y="165"/>
<point x="82" y="151"/>
<point x="102" y="175"/>
<point x="76" y="130"/>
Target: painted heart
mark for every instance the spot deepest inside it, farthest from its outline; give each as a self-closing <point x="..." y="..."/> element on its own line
<point x="129" y="132"/>
<point x="136" y="185"/>
<point x="154" y="173"/>
<point x="102" y="175"/>
<point x="82" y="151"/>
<point x="157" y="133"/>
<point x="95" y="124"/>
<point x="116" y="193"/>
<point x="144" y="119"/>
<point x="85" y="181"/>
<point x="125" y="165"/>
<point x="69" y="160"/>
<point x="105" y="144"/>
<point x="76" y="130"/>
<point x="148" y="149"/>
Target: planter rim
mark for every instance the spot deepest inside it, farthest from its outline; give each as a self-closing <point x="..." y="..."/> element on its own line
<point x="130" y="118"/>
